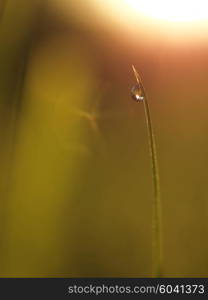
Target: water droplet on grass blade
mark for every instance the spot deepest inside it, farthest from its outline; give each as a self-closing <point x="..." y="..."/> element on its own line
<point x="137" y="93"/>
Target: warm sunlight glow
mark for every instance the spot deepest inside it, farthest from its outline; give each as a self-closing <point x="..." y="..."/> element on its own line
<point x="172" y="10"/>
<point x="181" y="21"/>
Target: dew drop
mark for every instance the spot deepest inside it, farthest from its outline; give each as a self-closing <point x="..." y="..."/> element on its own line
<point x="137" y="93"/>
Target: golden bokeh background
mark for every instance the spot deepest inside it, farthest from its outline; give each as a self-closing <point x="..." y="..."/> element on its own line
<point x="75" y="180"/>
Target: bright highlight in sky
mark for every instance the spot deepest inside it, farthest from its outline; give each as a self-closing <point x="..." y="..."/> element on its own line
<point x="172" y="10"/>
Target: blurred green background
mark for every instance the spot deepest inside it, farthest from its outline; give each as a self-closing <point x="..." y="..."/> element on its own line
<point x="75" y="180"/>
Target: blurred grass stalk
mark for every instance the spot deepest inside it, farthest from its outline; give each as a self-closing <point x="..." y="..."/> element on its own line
<point x="156" y="214"/>
<point x="2" y="6"/>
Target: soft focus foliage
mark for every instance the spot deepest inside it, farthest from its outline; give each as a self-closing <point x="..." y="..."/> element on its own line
<point x="75" y="178"/>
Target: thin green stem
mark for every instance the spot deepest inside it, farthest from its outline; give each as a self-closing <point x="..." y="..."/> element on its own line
<point x="156" y="221"/>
